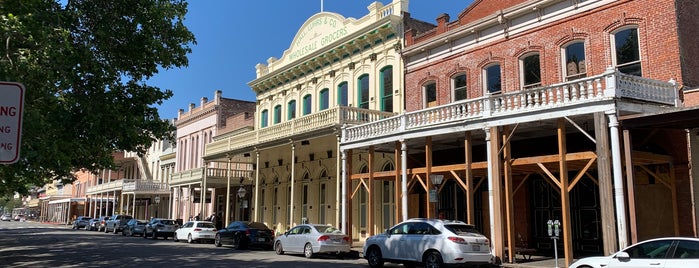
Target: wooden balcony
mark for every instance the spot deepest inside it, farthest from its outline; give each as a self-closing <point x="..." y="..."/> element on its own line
<point x="583" y="96"/>
<point x="145" y="187"/>
<point x="111" y="186"/>
<point x="305" y="126"/>
<point x="215" y="177"/>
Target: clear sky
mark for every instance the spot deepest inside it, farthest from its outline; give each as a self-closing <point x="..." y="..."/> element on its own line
<point x="235" y="35"/>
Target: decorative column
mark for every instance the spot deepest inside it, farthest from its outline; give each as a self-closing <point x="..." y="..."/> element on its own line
<point x="343" y="185"/>
<point x="404" y="178"/>
<point x="256" y="207"/>
<point x="228" y="190"/>
<point x="293" y="182"/>
<point x="618" y="180"/>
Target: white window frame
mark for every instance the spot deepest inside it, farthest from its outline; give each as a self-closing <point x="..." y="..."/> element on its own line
<point x="522" y="74"/>
<point x="453" y="86"/>
<point x="486" y="92"/>
<point x="425" y="104"/>
<point x="564" y="59"/>
<point x="612" y="39"/>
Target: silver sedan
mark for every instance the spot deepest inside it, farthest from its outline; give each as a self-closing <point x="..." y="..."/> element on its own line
<point x="310" y="239"/>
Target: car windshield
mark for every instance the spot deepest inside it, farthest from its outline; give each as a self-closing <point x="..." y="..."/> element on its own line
<point x="327" y="229"/>
<point x="257" y="225"/>
<point x="461" y="229"/>
<point x="206" y="225"/>
<point x="141" y="222"/>
<point x="167" y="222"/>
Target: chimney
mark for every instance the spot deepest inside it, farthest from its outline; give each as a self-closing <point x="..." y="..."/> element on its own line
<point x="217" y="97"/>
<point x="442" y="21"/>
<point x="191" y="107"/>
<point x="203" y="101"/>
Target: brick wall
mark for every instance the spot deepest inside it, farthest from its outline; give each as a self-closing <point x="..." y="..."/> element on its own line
<point x="657" y="26"/>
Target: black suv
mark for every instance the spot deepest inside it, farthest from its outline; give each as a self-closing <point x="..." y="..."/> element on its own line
<point x="160" y="228"/>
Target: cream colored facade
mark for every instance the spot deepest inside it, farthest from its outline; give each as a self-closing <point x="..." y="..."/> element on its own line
<point x="337" y="71"/>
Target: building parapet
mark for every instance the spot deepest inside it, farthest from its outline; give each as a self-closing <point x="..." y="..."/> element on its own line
<point x="607" y="86"/>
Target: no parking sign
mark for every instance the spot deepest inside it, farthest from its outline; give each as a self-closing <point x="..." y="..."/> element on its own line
<point x="11" y="110"/>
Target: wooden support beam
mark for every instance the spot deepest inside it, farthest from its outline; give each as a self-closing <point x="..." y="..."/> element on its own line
<point x="604" y="183"/>
<point x="630" y="186"/>
<point x="495" y="178"/>
<point x="673" y="188"/>
<point x="581" y="173"/>
<point x="468" y="177"/>
<point x="521" y="183"/>
<point x="565" y="196"/>
<point x="370" y="194"/>
<point x="509" y="193"/>
<point x="428" y="164"/>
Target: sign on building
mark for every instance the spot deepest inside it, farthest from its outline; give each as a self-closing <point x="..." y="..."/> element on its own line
<point x="11" y="107"/>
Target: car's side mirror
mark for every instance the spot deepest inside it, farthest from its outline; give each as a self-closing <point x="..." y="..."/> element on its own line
<point x="623" y="256"/>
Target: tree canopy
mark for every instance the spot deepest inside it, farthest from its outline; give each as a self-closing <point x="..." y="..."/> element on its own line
<point x="85" y="65"/>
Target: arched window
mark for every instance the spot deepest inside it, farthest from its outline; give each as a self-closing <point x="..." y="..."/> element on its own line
<point x="387" y="89"/>
<point x="627" y="53"/>
<point x="342" y="96"/>
<point x="530" y="67"/>
<point x="264" y="118"/>
<point x="574" y="61"/>
<point x="363" y="91"/>
<point x="324" y="99"/>
<point x="430" y="94"/>
<point x="307" y="104"/>
<point x="291" y="110"/>
<point x="492" y="78"/>
<point x="277" y="114"/>
<point x="458" y="85"/>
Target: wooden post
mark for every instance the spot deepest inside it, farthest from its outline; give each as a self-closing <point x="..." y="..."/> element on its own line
<point x="469" y="179"/>
<point x="370" y="194"/>
<point x="495" y="209"/>
<point x="509" y="194"/>
<point x="428" y="161"/>
<point x="565" y="197"/>
<point x="606" y="190"/>
<point x="630" y="186"/>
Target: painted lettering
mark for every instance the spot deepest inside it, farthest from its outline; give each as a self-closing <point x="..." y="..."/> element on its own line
<point x="6" y="146"/>
<point x="5" y="129"/>
<point x="8" y="111"/>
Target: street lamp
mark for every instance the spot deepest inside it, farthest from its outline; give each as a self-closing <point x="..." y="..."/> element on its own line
<point x="434" y="195"/>
<point x="241" y="196"/>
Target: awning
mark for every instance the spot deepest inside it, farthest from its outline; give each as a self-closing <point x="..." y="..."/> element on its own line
<point x="66" y="200"/>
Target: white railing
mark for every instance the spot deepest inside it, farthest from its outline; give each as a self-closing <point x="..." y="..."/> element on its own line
<point x="336" y="116"/>
<point x="107" y="187"/>
<point x="223" y="173"/>
<point x="608" y="85"/>
<point x="145" y="186"/>
<point x="191" y="175"/>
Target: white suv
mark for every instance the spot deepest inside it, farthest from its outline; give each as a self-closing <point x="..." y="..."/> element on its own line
<point x="432" y="242"/>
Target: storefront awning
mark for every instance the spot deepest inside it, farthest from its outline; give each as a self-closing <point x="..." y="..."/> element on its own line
<point x="66" y="200"/>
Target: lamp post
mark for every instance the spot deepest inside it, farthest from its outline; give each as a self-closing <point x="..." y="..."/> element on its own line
<point x="434" y="193"/>
<point x="157" y="204"/>
<point x="241" y="196"/>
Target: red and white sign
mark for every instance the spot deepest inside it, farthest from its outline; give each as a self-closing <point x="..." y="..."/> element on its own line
<point x="11" y="107"/>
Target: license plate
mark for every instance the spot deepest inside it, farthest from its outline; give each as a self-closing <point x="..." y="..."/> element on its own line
<point x="476" y="247"/>
<point x="261" y="240"/>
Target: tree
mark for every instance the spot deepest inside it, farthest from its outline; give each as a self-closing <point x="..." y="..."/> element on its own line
<point x="84" y="64"/>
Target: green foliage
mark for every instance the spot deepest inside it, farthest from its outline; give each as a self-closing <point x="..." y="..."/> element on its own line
<point x="84" y="66"/>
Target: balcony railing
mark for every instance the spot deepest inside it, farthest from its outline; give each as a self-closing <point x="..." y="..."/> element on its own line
<point x="111" y="186"/>
<point x="197" y="175"/>
<point x="146" y="186"/>
<point x="336" y="116"/>
<point x="606" y="86"/>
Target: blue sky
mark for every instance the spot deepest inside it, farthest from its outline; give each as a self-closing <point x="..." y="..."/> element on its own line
<point x="234" y="36"/>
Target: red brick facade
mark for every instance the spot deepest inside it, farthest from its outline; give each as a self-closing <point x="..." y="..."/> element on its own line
<point x="656" y="20"/>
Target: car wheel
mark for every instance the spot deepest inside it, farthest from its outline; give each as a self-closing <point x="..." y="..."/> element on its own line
<point x="217" y="240"/>
<point x="154" y="235"/>
<point x="308" y="250"/>
<point x="374" y="257"/>
<point x="123" y="233"/>
<point x="115" y="230"/>
<point x="174" y="238"/>
<point x="189" y="239"/>
<point x="433" y="260"/>
<point x="237" y="243"/>
<point x="145" y="235"/>
<point x="278" y="248"/>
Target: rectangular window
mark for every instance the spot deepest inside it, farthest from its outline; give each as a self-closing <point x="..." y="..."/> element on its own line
<point x="387" y="89"/>
<point x="531" y="71"/>
<point x="628" y="56"/>
<point x="363" y="91"/>
<point x="431" y="94"/>
<point x="493" y="82"/>
<point x="324" y="99"/>
<point x="459" y="85"/>
<point x="575" y="61"/>
<point x="307" y="104"/>
<point x="264" y="119"/>
<point x="342" y="97"/>
<point x="291" y="108"/>
<point x="277" y="114"/>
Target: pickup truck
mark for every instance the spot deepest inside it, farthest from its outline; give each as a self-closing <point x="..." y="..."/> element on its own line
<point x="116" y="223"/>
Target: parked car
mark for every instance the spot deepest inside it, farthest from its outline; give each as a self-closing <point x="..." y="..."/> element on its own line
<point x="81" y="222"/>
<point x="158" y="227"/>
<point x="116" y="223"/>
<point x="659" y="252"/>
<point x="20" y="217"/>
<point x="92" y="224"/>
<point x="311" y="239"/>
<point x="101" y="223"/>
<point x="6" y="217"/>
<point x="432" y="242"/>
<point x="134" y="227"/>
<point x="196" y="231"/>
<point x="244" y="234"/>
